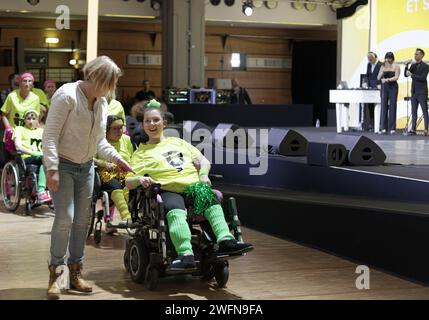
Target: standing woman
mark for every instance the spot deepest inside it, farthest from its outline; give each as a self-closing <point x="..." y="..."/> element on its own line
<point x="75" y="131"/>
<point x="19" y="101"/>
<point x="389" y="75"/>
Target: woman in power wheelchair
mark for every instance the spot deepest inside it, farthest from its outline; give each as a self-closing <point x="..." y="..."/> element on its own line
<point x="25" y="174"/>
<point x="180" y="194"/>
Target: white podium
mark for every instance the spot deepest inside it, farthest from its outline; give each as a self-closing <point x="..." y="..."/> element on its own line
<point x="347" y="96"/>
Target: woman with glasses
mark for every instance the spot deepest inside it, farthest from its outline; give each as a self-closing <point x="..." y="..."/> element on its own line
<point x="113" y="179"/>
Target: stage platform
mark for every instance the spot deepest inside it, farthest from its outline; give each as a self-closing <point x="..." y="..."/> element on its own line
<point x="373" y="215"/>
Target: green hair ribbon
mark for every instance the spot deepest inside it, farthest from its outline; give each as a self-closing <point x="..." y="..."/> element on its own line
<point x="153" y="104"/>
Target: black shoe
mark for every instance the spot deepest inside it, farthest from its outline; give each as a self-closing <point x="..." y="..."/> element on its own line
<point x="233" y="247"/>
<point x="411" y="133"/>
<point x="182" y="263"/>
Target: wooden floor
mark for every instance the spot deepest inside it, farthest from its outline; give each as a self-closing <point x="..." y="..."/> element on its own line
<point x="276" y="269"/>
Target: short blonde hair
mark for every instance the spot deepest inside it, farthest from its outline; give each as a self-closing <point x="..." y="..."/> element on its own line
<point x="103" y="73"/>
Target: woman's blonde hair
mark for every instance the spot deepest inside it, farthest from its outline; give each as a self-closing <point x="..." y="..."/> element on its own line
<point x="103" y="73"/>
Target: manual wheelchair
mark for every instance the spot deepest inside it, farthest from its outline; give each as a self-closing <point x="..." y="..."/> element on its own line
<point x="96" y="219"/>
<point x="18" y="181"/>
<point x="149" y="250"/>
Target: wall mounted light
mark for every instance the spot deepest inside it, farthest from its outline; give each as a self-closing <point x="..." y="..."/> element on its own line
<point x="52" y="40"/>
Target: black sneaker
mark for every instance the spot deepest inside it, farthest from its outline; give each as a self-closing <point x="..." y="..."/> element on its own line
<point x="232" y="246"/>
<point x="182" y="263"/>
<point x="411" y="133"/>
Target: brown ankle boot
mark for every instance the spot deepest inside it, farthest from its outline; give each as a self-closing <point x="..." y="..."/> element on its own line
<point x="76" y="281"/>
<point x="53" y="289"/>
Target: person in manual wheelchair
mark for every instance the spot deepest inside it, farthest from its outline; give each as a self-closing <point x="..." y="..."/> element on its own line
<point x="25" y="173"/>
<point x="172" y="164"/>
<point x="112" y="179"/>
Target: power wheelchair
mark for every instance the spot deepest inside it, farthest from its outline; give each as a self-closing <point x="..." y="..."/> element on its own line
<point x="18" y="181"/>
<point x="149" y="250"/>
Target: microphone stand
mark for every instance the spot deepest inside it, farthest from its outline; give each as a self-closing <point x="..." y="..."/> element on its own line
<point x="405" y="132"/>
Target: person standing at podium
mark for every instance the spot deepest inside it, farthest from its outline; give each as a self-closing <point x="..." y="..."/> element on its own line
<point x="389" y="75"/>
<point x="371" y="81"/>
<point x="419" y="89"/>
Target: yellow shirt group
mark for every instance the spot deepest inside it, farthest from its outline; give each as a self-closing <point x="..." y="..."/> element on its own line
<point x="16" y="106"/>
<point x="170" y="163"/>
<point x="125" y="149"/>
<point x="30" y="138"/>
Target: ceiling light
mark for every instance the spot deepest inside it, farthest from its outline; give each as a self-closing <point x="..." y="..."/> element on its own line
<point x="247" y="8"/>
<point x="155" y="4"/>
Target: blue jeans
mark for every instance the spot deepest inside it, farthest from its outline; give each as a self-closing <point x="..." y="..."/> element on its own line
<point x="72" y="204"/>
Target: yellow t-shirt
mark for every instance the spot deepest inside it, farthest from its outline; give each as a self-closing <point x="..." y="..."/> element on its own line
<point x="125" y="149"/>
<point x="170" y="163"/>
<point x="30" y="139"/>
<point x="16" y="105"/>
<point x="116" y="108"/>
<point x="42" y="97"/>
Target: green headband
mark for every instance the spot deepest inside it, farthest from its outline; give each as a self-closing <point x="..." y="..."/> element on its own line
<point x="153" y="104"/>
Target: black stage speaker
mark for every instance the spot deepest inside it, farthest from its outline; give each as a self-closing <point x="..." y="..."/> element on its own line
<point x="225" y="132"/>
<point x="195" y="130"/>
<point x="362" y="151"/>
<point x="326" y="154"/>
<point x="286" y="142"/>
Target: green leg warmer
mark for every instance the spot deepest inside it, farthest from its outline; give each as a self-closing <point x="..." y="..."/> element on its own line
<point x="216" y="218"/>
<point x="118" y="198"/>
<point x="41" y="181"/>
<point x="179" y="232"/>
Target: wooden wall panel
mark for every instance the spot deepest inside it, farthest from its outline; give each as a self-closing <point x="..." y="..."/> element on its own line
<point x="256" y="79"/>
<point x="117" y="39"/>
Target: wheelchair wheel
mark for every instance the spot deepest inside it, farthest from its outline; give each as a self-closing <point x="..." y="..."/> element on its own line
<point x="152" y="276"/>
<point x="10" y="187"/>
<point x="221" y="272"/>
<point x="28" y="208"/>
<point x="97" y="236"/>
<point x="208" y="272"/>
<point x="139" y="260"/>
<point x="91" y="220"/>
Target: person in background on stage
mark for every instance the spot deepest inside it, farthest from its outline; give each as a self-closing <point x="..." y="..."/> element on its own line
<point x="389" y="75"/>
<point x="372" y="82"/>
<point x="145" y="93"/>
<point x="418" y="71"/>
<point x="239" y="94"/>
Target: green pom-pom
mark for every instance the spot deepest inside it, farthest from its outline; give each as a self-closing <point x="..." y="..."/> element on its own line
<point x="153" y="104"/>
<point x="203" y="196"/>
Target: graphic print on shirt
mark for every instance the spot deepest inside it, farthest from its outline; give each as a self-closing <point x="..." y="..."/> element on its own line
<point x="36" y="144"/>
<point x="174" y="159"/>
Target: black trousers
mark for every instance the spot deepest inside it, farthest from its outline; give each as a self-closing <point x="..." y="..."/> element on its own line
<point x="368" y="116"/>
<point x="389" y="98"/>
<point x="417" y="99"/>
<point x="113" y="184"/>
<point x="172" y="201"/>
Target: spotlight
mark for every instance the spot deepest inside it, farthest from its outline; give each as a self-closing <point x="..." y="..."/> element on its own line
<point x="247" y="8"/>
<point x="33" y="2"/>
<point x="155" y="4"/>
